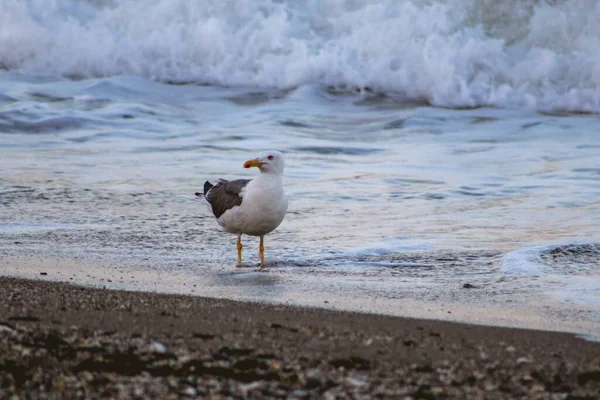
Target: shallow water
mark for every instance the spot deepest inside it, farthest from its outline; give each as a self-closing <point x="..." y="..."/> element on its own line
<point x="395" y="203"/>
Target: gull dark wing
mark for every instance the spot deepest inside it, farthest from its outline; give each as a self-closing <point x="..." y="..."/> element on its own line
<point x="224" y="195"/>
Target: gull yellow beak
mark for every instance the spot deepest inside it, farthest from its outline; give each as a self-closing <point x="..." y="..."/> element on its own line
<point x="252" y="163"/>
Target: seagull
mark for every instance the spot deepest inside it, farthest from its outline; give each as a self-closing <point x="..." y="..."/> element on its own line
<point x="250" y="206"/>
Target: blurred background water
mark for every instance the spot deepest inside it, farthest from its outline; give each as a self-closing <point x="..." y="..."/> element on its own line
<point x="427" y="144"/>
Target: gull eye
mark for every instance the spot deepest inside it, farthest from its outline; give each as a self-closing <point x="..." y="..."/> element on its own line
<point x="270" y="157"/>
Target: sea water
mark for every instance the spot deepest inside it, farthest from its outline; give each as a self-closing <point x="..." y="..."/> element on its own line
<point x="442" y="157"/>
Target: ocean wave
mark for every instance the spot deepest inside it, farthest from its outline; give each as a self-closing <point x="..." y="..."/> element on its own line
<point x="456" y="54"/>
<point x="568" y="259"/>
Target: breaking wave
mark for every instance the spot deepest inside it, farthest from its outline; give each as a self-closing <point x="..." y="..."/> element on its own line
<point x="467" y="53"/>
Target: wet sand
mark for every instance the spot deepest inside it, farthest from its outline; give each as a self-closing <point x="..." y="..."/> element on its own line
<point x="59" y="340"/>
<point x="482" y="299"/>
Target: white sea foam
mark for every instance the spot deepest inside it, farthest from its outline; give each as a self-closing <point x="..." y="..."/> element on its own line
<point x="557" y="260"/>
<point x="524" y="261"/>
<point x="462" y="53"/>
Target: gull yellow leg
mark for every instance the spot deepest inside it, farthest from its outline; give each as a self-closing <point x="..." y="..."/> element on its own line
<point x="239" y="249"/>
<point x="261" y="251"/>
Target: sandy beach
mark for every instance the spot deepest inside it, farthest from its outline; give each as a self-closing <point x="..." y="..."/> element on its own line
<point x="63" y="341"/>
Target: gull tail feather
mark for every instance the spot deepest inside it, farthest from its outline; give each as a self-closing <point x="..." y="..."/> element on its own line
<point x="202" y="196"/>
<point x="207" y="187"/>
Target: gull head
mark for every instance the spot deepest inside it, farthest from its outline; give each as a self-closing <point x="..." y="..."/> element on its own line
<point x="270" y="162"/>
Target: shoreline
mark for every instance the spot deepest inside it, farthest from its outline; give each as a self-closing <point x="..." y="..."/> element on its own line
<point x="481" y="304"/>
<point x="122" y="343"/>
